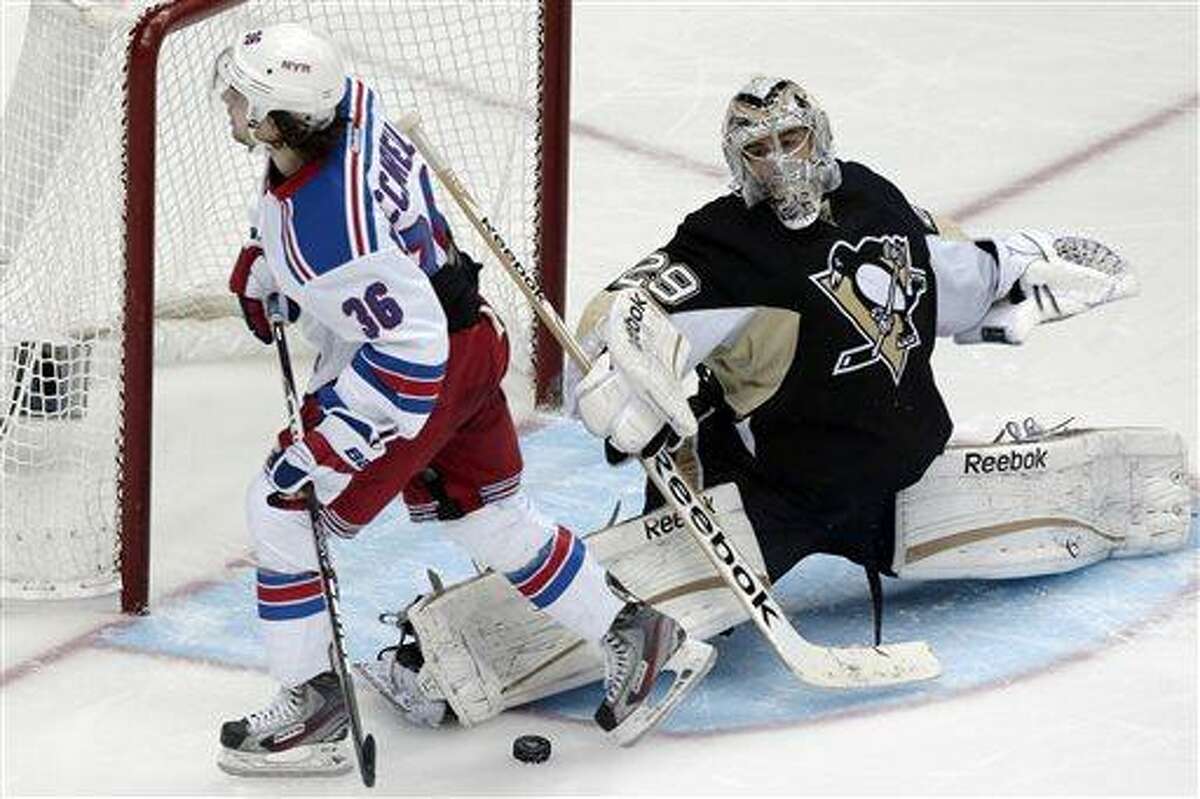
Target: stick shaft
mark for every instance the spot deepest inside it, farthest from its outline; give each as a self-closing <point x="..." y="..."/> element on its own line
<point x="364" y="745"/>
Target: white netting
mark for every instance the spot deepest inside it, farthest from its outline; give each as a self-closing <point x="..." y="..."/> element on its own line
<point x="469" y="69"/>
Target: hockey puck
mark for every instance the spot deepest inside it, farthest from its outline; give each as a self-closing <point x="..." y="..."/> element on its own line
<point x="531" y="749"/>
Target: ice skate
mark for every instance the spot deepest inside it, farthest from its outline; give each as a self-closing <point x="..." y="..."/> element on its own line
<point x="639" y="648"/>
<point x="299" y="734"/>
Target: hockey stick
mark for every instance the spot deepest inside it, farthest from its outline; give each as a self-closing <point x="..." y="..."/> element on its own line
<point x="827" y="667"/>
<point x="364" y="745"/>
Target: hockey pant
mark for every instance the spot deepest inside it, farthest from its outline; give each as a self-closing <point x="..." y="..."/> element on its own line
<point x="789" y="527"/>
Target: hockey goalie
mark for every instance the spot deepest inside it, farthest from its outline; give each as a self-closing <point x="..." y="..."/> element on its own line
<point x="807" y="302"/>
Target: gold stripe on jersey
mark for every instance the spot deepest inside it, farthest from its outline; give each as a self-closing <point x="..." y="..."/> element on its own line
<point x="752" y="367"/>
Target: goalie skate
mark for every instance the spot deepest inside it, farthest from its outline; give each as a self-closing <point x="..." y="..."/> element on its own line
<point x="640" y="648"/>
<point x="396" y="675"/>
<point x="300" y="734"/>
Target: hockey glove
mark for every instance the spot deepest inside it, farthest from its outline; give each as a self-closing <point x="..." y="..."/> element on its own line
<point x="708" y="402"/>
<point x="254" y="284"/>
<point x="635" y="387"/>
<point x="1049" y="278"/>
<point x="341" y="445"/>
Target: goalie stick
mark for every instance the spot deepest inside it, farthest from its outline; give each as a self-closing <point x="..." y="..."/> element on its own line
<point x="826" y="667"/>
<point x="364" y="745"/>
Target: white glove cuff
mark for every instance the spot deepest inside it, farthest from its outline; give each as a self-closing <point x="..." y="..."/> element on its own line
<point x="652" y="355"/>
<point x="353" y="438"/>
<point x="1015" y="253"/>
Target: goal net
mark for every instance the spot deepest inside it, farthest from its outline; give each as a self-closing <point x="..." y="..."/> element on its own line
<point x="125" y="203"/>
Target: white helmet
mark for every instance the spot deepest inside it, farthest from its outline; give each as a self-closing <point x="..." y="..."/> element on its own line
<point x="284" y="67"/>
<point x="791" y="161"/>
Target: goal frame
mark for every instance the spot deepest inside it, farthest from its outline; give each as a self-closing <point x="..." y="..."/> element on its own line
<point x="140" y="131"/>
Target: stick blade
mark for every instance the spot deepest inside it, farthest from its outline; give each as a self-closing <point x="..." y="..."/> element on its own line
<point x="866" y="667"/>
<point x="366" y="761"/>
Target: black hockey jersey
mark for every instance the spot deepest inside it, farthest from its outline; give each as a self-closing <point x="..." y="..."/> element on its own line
<point x="836" y="384"/>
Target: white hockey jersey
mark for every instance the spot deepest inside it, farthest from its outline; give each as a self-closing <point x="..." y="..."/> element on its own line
<point x="354" y="239"/>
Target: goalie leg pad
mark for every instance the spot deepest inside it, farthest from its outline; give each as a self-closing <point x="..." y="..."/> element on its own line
<point x="1043" y="507"/>
<point x="486" y="649"/>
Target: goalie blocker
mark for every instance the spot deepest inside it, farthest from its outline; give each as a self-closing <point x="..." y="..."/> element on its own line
<point x="981" y="511"/>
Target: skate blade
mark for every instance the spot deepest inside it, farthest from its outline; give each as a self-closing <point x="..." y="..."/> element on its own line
<point x="315" y="760"/>
<point x="689" y="664"/>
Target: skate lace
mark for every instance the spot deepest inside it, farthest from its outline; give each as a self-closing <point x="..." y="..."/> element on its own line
<point x="616" y="665"/>
<point x="286" y="707"/>
<point x="1029" y="430"/>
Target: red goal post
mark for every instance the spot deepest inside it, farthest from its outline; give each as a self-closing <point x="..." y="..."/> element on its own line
<point x="490" y="87"/>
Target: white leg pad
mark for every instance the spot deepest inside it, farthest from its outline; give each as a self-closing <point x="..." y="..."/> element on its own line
<point x="486" y="649"/>
<point x="1043" y="507"/>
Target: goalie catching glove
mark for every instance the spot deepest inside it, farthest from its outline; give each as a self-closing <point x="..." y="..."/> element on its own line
<point x="1049" y="278"/>
<point x="633" y="394"/>
<point x="340" y="445"/>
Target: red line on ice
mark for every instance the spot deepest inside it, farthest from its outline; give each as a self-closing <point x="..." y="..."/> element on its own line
<point x="1074" y="160"/>
<point x="999" y="196"/>
<point x="92" y="638"/>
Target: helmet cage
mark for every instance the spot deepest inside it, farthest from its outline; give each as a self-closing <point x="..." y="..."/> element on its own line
<point x="794" y="179"/>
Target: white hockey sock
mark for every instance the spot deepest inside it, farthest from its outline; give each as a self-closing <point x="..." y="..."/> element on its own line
<point x="565" y="580"/>
<point x="291" y="604"/>
<point x="547" y="563"/>
<point x="291" y="612"/>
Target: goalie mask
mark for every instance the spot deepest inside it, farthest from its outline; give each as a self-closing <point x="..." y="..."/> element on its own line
<point x="285" y="67"/>
<point x="779" y="148"/>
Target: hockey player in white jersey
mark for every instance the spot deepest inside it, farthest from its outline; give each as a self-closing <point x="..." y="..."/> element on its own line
<point x="405" y="398"/>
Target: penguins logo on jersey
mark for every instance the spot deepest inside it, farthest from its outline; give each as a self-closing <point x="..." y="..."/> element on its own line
<point x="875" y="286"/>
